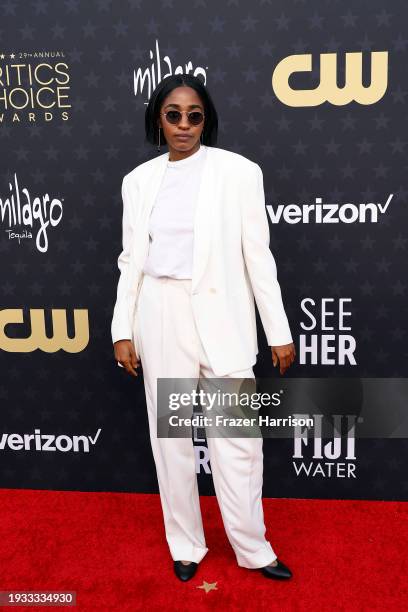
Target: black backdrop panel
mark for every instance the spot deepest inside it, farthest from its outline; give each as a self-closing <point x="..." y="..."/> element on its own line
<point x="75" y="80"/>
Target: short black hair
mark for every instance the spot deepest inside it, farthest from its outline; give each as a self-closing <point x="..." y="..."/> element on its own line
<point x="166" y="85"/>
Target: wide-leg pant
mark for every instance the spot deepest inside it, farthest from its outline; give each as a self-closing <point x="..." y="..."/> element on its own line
<point x="170" y="347"/>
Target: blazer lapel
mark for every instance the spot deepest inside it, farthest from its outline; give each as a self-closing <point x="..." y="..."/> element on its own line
<point x="203" y="219"/>
<point x="203" y="216"/>
<point x="149" y="193"/>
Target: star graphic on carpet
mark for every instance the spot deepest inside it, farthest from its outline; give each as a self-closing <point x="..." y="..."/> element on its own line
<point x="208" y="586"/>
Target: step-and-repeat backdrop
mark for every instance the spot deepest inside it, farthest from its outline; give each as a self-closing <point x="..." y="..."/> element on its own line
<point x="314" y="92"/>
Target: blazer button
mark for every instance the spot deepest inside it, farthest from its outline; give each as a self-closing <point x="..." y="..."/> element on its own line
<point x="212" y="290"/>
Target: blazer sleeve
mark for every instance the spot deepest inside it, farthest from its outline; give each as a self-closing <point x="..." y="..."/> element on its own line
<point x="121" y="327"/>
<point x="261" y="264"/>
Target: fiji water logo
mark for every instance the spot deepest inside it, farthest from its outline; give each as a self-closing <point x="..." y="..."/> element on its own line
<point x="335" y="458"/>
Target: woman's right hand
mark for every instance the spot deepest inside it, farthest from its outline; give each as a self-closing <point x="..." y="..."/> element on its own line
<point x="125" y="354"/>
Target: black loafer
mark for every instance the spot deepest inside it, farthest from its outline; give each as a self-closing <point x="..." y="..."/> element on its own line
<point x="279" y="571"/>
<point x="185" y="572"/>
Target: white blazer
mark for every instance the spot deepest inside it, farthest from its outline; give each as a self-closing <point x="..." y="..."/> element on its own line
<point x="232" y="262"/>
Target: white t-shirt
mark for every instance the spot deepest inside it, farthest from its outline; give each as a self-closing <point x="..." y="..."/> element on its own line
<point x="171" y="222"/>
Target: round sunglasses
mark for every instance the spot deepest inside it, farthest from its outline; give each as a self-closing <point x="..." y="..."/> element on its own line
<point x="174" y="117"/>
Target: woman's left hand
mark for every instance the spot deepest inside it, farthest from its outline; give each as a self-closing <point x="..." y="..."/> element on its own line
<point x="285" y="354"/>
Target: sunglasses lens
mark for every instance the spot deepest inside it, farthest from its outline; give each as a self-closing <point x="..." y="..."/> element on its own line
<point x="173" y="116"/>
<point x="196" y="117"/>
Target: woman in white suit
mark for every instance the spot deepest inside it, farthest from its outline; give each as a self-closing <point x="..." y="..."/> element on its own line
<point x="195" y="256"/>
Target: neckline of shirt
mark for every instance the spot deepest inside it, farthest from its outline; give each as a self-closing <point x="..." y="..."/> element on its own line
<point x="183" y="162"/>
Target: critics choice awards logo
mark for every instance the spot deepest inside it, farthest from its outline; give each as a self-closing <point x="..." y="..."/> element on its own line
<point x="34" y="86"/>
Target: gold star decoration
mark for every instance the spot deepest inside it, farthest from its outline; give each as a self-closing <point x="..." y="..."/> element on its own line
<point x="208" y="586"/>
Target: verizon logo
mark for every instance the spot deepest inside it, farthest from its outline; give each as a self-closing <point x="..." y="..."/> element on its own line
<point x="328" y="213"/>
<point x="47" y="442"/>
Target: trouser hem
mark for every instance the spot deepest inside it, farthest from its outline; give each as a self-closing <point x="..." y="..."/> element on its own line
<point x="189" y="554"/>
<point x="264" y="556"/>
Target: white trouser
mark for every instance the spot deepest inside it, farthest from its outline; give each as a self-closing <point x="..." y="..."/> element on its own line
<point x="169" y="347"/>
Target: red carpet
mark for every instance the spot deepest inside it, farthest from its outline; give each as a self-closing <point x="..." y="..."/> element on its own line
<point x="110" y="549"/>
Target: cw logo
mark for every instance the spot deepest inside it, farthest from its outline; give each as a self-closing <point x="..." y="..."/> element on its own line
<point x="327" y="90"/>
<point x="38" y="338"/>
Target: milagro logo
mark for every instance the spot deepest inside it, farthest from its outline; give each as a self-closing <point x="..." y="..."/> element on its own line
<point x="319" y="212"/>
<point x="22" y="213"/>
<point x="47" y="442"/>
<point x="151" y="76"/>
